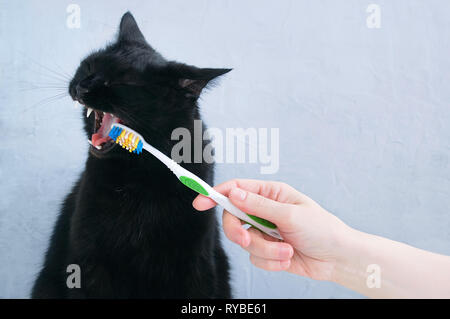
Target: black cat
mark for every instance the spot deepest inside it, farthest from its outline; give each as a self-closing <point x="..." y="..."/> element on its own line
<point x="129" y="223"/>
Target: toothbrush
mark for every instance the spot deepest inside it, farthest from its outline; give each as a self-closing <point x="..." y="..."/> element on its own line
<point x="135" y="143"/>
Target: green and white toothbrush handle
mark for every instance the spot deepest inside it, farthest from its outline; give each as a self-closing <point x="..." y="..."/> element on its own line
<point x="197" y="184"/>
<point x="201" y="187"/>
<point x="257" y="222"/>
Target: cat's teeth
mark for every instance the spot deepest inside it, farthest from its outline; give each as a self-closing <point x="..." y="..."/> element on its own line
<point x="89" y="111"/>
<point x="99" y="147"/>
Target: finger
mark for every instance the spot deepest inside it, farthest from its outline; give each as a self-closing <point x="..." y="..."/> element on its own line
<point x="254" y="204"/>
<point x="268" y="249"/>
<point x="202" y="203"/>
<point x="232" y="227"/>
<point x="268" y="264"/>
<point x="274" y="190"/>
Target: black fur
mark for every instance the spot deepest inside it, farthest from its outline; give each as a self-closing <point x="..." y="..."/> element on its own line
<point x="128" y="222"/>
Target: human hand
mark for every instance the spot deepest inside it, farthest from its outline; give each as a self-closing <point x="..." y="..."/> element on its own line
<point x="313" y="238"/>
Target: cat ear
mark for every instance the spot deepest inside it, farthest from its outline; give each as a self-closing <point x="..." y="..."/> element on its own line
<point x="196" y="79"/>
<point x="129" y="30"/>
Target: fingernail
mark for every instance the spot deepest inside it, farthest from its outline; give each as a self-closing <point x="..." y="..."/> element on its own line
<point x="285" y="252"/>
<point x="238" y="194"/>
<point x="244" y="241"/>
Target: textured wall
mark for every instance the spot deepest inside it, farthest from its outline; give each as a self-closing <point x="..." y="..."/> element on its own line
<point x="363" y="113"/>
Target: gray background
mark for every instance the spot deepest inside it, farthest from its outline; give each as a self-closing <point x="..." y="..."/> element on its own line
<point x="363" y="114"/>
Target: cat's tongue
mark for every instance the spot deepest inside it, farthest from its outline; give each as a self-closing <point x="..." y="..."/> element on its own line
<point x="102" y="134"/>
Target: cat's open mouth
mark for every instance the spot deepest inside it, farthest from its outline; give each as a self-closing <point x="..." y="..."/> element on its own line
<point x="100" y="141"/>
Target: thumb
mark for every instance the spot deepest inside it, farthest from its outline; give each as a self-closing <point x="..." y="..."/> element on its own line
<point x="254" y="204"/>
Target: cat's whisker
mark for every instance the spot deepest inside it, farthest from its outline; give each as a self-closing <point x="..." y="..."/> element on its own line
<point x="31" y="84"/>
<point x="56" y="88"/>
<point x="26" y="86"/>
<point x="51" y="77"/>
<point x="68" y="75"/>
<point x="52" y="73"/>
<point x="46" y="101"/>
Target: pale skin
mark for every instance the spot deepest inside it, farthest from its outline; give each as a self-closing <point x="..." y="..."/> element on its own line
<point x="320" y="246"/>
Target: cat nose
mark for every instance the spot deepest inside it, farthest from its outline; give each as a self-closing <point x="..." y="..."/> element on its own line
<point x="80" y="90"/>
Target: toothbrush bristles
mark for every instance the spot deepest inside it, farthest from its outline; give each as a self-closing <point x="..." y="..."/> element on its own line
<point x="127" y="140"/>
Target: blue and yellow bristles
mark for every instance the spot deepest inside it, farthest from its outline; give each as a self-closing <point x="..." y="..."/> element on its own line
<point x="128" y="140"/>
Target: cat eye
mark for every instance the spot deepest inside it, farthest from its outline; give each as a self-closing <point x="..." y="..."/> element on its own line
<point x="106" y="83"/>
